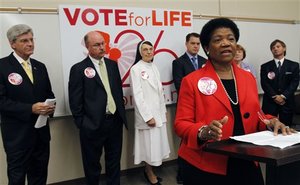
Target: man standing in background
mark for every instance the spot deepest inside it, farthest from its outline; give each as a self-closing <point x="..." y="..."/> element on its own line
<point x="96" y="102"/>
<point x="279" y="80"/>
<point x="24" y="86"/>
<point x="185" y="64"/>
<point x="189" y="61"/>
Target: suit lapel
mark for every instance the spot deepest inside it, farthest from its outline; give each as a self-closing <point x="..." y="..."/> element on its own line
<point x="34" y="70"/>
<point x="240" y="83"/>
<point x="188" y="62"/>
<point x="19" y="69"/>
<point x="110" y="73"/>
<point x="283" y="68"/>
<point x="90" y="64"/>
<point x="220" y="94"/>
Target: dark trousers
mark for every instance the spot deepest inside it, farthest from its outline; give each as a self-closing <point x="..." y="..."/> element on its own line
<point x="238" y="172"/>
<point x="284" y="112"/>
<point x="31" y="162"/>
<point x="109" y="136"/>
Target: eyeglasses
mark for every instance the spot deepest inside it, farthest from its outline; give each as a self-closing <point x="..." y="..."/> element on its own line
<point x="97" y="45"/>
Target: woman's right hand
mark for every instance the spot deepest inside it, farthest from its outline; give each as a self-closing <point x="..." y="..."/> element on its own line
<point x="214" y="129"/>
<point x="151" y="122"/>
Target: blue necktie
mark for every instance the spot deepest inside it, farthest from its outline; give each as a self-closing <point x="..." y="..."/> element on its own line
<point x="194" y="61"/>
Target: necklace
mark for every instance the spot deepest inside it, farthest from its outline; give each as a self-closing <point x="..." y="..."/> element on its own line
<point x="235" y="88"/>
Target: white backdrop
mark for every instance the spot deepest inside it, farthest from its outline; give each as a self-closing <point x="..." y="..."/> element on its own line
<point x="255" y="37"/>
<point x="125" y="27"/>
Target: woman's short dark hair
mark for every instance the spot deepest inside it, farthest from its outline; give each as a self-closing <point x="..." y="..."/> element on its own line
<point x="212" y="25"/>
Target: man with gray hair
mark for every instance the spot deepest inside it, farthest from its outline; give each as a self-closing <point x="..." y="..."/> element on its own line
<point x="24" y="87"/>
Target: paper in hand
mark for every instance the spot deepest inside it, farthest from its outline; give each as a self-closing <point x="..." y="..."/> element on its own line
<point x="42" y="119"/>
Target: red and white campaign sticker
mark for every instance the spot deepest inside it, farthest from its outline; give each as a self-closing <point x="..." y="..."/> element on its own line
<point x="207" y="86"/>
<point x="144" y="75"/>
<point x="89" y="72"/>
<point x="15" y="78"/>
<point x="271" y="75"/>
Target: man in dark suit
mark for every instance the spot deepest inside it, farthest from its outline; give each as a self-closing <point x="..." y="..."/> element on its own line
<point x="22" y="95"/>
<point x="185" y="64"/>
<point x="189" y="61"/>
<point x="279" y="80"/>
<point x="96" y="102"/>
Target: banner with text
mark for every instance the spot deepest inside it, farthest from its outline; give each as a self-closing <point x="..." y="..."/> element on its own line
<point x="122" y="29"/>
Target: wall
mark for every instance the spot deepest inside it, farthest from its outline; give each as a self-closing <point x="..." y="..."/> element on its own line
<point x="65" y="159"/>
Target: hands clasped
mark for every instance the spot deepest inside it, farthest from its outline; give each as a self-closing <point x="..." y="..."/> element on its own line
<point x="151" y="122"/>
<point x="42" y="108"/>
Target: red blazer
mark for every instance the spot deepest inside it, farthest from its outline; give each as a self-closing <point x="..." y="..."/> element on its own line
<point x="196" y="109"/>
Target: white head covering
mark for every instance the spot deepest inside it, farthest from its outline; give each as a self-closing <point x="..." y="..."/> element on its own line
<point x="140" y="47"/>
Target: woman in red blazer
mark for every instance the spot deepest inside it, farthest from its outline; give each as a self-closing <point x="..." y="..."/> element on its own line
<point x="216" y="102"/>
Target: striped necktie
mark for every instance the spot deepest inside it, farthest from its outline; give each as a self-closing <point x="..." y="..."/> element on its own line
<point x="194" y="61"/>
<point x="104" y="77"/>
<point x="28" y="70"/>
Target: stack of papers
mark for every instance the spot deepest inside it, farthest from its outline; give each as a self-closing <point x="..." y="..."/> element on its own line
<point x="268" y="138"/>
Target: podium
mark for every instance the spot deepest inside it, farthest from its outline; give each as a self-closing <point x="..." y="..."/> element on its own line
<point x="282" y="165"/>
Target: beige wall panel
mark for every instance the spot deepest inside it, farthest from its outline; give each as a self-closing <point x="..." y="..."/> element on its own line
<point x="269" y="9"/>
<point x="198" y="6"/>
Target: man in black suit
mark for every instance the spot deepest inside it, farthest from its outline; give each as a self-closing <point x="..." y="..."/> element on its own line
<point x="22" y="95"/>
<point x="185" y="64"/>
<point x="279" y="80"/>
<point x="96" y="102"/>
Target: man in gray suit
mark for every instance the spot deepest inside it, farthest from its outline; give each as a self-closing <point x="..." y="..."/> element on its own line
<point x="96" y="102"/>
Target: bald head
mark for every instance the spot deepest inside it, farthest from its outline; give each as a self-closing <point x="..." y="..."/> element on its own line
<point x="95" y="44"/>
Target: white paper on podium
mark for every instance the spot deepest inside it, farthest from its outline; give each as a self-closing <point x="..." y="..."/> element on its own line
<point x="268" y="138"/>
<point x="42" y="119"/>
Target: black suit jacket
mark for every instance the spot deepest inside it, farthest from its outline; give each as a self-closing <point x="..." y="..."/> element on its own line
<point x="87" y="96"/>
<point x="182" y="66"/>
<point x="285" y="83"/>
<point x="16" y="100"/>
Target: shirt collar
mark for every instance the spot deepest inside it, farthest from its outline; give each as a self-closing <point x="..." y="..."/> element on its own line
<point x="277" y="60"/>
<point x="191" y="56"/>
<point x="95" y="61"/>
<point x="19" y="59"/>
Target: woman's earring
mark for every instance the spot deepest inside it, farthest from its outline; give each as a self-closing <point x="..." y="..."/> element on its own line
<point x="207" y="52"/>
